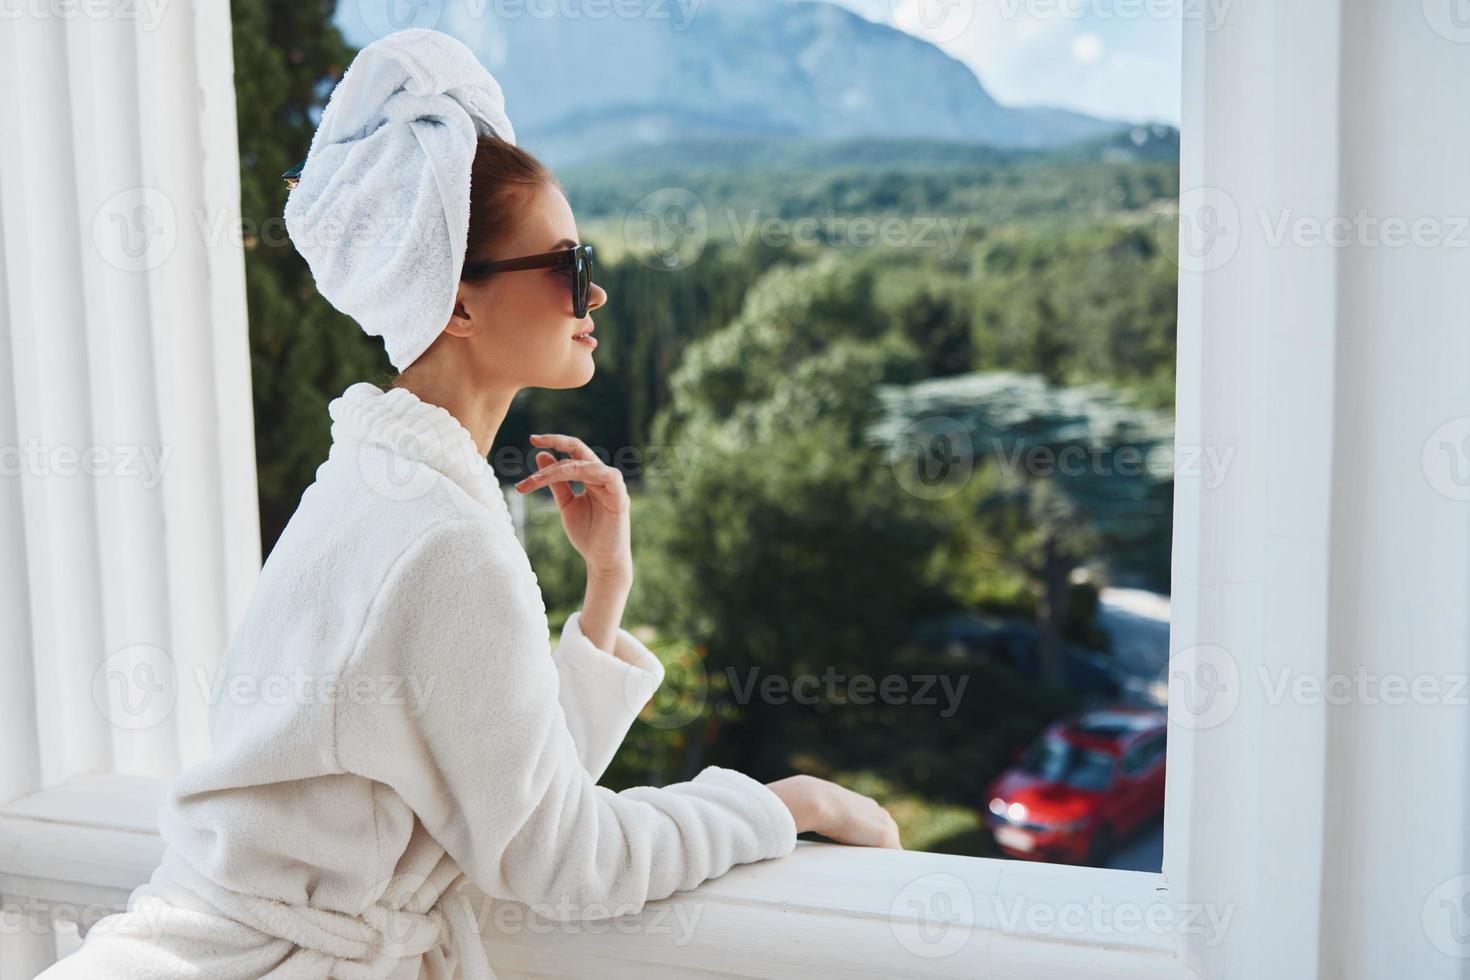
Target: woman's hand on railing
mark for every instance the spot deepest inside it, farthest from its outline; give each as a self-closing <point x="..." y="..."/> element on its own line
<point x="836" y="812"/>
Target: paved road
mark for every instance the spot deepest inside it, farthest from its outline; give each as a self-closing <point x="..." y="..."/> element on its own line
<point x="1143" y="853"/>
<point x="1138" y="623"/>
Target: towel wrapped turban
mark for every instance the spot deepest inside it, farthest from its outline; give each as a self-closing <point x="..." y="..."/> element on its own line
<point x="381" y="209"/>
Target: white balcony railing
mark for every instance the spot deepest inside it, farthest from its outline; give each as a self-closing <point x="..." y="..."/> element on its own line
<point x="75" y="852"/>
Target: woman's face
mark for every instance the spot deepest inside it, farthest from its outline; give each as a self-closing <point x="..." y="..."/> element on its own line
<point x="518" y="326"/>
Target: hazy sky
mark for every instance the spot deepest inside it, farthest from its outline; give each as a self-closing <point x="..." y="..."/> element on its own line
<point x="1113" y="58"/>
<point x="1119" y="59"/>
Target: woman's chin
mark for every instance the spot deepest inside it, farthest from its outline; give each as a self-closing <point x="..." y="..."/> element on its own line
<point x="578" y="373"/>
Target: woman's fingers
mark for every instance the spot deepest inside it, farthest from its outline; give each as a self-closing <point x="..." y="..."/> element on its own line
<point x="890" y="834"/>
<point x="561" y="491"/>
<point x="837" y="812"/>
<point x="595" y="474"/>
<point x="568" y="444"/>
<point x="581" y="470"/>
<point x="868" y="824"/>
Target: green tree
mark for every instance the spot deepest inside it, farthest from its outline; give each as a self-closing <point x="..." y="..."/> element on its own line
<point x="937" y="322"/>
<point x="782" y="557"/>
<point x="792" y="314"/>
<point x="1067" y="476"/>
<point x="1077" y="305"/>
<point x="784" y="545"/>
<point x="288" y="57"/>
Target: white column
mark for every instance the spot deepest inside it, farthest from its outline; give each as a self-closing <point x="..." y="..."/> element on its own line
<point x="129" y="536"/>
<point x="1327" y="344"/>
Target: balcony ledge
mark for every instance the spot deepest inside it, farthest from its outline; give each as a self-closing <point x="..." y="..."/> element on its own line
<point x="822" y="911"/>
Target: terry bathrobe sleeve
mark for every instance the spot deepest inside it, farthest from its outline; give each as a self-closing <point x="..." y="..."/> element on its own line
<point x="602" y="692"/>
<point x="484" y="756"/>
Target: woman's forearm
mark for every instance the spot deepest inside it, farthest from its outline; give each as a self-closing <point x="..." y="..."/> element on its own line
<point x="602" y="605"/>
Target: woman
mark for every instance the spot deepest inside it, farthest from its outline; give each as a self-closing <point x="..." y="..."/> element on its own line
<point x="391" y="723"/>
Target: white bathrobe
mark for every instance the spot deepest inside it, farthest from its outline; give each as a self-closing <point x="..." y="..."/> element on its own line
<point x="392" y="721"/>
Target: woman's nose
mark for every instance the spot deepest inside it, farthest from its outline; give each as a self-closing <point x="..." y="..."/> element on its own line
<point x="597" y="297"/>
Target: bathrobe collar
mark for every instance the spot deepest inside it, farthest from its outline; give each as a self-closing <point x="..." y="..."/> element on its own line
<point x="399" y="421"/>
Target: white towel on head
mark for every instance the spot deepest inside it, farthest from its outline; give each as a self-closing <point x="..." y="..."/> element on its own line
<point x="382" y="210"/>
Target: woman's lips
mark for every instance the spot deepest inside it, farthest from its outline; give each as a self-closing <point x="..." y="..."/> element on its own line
<point x="586" y="339"/>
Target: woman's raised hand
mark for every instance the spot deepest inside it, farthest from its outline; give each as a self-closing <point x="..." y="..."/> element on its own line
<point x="836" y="812"/>
<point x="597" y="524"/>
<point x="597" y="521"/>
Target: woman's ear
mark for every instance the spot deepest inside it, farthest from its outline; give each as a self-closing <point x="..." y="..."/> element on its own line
<point x="461" y="321"/>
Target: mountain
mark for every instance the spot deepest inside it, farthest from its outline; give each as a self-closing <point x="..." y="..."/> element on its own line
<point x="648" y="72"/>
<point x="799" y="154"/>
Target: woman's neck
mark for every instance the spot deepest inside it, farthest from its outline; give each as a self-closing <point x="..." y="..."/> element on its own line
<point x="480" y="408"/>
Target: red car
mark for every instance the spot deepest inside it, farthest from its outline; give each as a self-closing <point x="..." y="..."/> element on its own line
<point x="1087" y="782"/>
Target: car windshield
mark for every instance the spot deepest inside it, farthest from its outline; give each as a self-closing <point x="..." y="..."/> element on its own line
<point x="1058" y="761"/>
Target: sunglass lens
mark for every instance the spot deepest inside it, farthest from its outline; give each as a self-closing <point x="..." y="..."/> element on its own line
<point x="584" y="282"/>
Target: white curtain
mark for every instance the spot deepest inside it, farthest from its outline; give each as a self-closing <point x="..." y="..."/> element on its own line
<point x="1321" y="626"/>
<point x="129" y="536"/>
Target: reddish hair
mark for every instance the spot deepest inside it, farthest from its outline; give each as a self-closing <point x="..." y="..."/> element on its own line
<point x="502" y="178"/>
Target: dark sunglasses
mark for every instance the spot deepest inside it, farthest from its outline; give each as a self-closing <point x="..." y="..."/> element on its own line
<point x="577" y="261"/>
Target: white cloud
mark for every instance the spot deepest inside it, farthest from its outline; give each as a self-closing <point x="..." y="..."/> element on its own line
<point x="1088" y="48"/>
<point x="1043" y="54"/>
